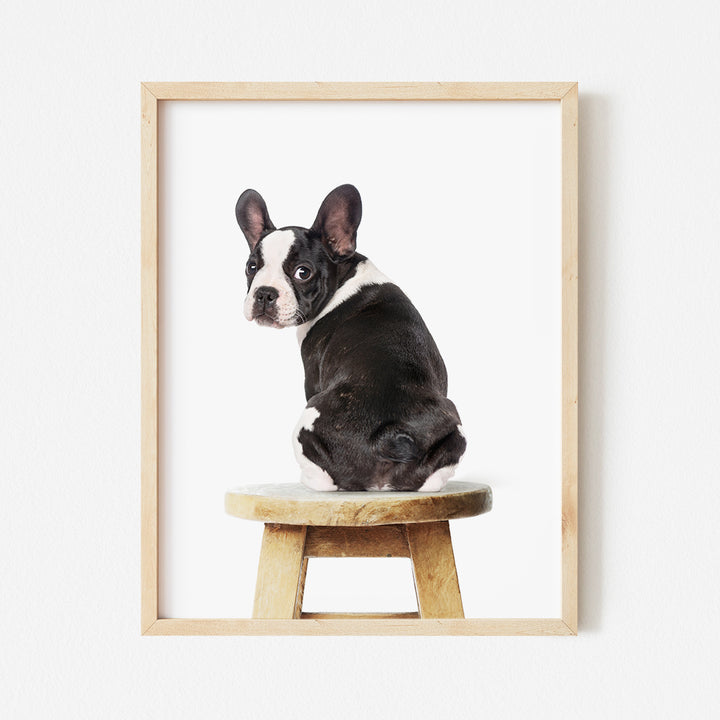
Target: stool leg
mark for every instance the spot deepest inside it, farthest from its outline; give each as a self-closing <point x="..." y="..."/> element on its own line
<point x="280" y="572"/>
<point x="436" y="581"/>
<point x="297" y="612"/>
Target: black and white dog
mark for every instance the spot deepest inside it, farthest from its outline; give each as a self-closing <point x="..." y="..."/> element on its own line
<point x="377" y="415"/>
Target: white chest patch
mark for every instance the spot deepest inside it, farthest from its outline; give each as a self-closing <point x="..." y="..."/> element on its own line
<point x="274" y="249"/>
<point x="365" y="274"/>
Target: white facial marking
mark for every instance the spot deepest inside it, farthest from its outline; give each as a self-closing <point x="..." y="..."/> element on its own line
<point x="273" y="250"/>
<point x="438" y="479"/>
<point x="365" y="274"/>
<point x="311" y="475"/>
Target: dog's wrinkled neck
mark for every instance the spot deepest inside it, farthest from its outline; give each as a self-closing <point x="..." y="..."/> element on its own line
<point x="360" y="272"/>
<point x="348" y="269"/>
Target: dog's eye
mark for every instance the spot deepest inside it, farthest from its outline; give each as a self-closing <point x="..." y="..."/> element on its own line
<point x="251" y="267"/>
<point x="302" y="272"/>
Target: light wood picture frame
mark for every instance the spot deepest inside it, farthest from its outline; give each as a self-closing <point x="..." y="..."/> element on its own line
<point x="153" y="94"/>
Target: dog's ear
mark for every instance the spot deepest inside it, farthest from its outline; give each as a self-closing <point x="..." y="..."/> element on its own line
<point x="337" y="222"/>
<point x="252" y="216"/>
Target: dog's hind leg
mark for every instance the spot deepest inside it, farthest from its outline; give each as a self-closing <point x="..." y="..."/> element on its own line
<point x="443" y="458"/>
<point x="310" y="451"/>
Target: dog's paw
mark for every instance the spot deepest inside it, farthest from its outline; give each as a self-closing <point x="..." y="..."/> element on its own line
<point x="316" y="478"/>
<point x="438" y="480"/>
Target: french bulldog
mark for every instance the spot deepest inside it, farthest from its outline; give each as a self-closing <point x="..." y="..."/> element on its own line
<point x="377" y="414"/>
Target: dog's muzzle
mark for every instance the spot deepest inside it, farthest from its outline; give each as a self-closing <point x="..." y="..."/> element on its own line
<point x="264" y="309"/>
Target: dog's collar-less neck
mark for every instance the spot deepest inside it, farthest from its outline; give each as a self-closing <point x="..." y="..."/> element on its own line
<point x="365" y="274"/>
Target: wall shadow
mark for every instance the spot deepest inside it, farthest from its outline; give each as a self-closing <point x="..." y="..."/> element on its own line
<point x="595" y="161"/>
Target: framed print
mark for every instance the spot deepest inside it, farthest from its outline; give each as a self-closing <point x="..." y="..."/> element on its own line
<point x="466" y="196"/>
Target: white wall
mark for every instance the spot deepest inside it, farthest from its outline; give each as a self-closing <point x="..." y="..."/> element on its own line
<point x="69" y="369"/>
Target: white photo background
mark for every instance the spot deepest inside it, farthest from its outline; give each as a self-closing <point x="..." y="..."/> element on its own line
<point x="461" y="208"/>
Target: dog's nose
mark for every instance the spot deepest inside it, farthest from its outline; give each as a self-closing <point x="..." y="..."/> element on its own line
<point x="266" y="295"/>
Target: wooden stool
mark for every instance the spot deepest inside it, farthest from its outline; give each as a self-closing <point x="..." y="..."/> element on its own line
<point x="302" y="523"/>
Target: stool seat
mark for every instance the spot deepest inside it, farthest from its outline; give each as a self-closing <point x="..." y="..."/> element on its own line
<point x="294" y="504"/>
<point x="301" y="524"/>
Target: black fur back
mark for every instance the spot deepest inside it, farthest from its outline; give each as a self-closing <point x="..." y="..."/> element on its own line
<point x="375" y="375"/>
